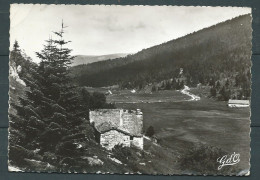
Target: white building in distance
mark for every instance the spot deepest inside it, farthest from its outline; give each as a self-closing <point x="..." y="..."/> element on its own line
<point x="238" y="103"/>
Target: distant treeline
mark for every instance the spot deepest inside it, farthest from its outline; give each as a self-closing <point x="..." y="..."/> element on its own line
<point x="218" y="56"/>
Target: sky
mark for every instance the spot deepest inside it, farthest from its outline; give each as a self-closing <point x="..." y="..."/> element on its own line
<point x="103" y="29"/>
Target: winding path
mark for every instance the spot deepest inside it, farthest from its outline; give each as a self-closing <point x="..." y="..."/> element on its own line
<point x="186" y="92"/>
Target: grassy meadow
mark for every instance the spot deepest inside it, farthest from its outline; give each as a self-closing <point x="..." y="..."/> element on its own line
<point x="181" y="124"/>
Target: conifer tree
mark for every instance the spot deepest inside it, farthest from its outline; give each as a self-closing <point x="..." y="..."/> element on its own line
<point x="55" y="61"/>
<point x="68" y="114"/>
<point x="50" y="118"/>
<point x="217" y="85"/>
<point x="213" y="91"/>
<point x="168" y="85"/>
<point x="15" y="54"/>
<point x="26" y="120"/>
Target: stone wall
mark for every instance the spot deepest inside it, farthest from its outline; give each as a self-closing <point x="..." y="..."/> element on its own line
<point x="113" y="137"/>
<point x="132" y="121"/>
<point x="138" y="142"/>
<point x="106" y="121"/>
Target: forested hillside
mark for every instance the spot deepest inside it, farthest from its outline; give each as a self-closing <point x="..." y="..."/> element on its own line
<point x="218" y="56"/>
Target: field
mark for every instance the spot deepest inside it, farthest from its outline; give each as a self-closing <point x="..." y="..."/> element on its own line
<point x="181" y="124"/>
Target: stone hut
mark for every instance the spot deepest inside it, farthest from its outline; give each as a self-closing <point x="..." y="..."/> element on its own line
<point x="118" y="126"/>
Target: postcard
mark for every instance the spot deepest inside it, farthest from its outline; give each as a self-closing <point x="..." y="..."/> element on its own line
<point x="159" y="90"/>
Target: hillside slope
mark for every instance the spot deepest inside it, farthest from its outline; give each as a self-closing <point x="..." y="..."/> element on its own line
<point x="216" y="53"/>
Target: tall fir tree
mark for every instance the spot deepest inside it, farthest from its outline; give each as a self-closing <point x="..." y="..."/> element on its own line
<point x="50" y="120"/>
<point x="68" y="115"/>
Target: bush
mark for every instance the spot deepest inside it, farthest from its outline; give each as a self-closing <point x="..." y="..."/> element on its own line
<point x="54" y="125"/>
<point x="50" y="157"/>
<point x="122" y="153"/>
<point x="59" y="118"/>
<point x="49" y="139"/>
<point x="68" y="149"/>
<point x="36" y="165"/>
<point x="202" y="159"/>
<point x="109" y="106"/>
<point x="130" y="156"/>
<point x="77" y="136"/>
<point x="150" y="131"/>
<point x="18" y="154"/>
<point x="37" y="123"/>
<point x="68" y="161"/>
<point x="97" y="100"/>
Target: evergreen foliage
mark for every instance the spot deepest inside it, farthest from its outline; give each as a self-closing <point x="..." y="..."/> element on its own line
<point x="50" y="120"/>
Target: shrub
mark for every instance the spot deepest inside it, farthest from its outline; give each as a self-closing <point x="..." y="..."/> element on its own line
<point x="50" y="157"/>
<point x="150" y="131"/>
<point x="68" y="149"/>
<point x="77" y="136"/>
<point x="130" y="156"/>
<point x="122" y="153"/>
<point x="54" y="125"/>
<point x="202" y="159"/>
<point x="68" y="161"/>
<point x="18" y="154"/>
<point x="49" y="139"/>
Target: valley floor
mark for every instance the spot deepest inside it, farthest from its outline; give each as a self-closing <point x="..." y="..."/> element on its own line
<point x="181" y="124"/>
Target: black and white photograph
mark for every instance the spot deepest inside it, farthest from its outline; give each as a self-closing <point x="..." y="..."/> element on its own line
<point x="111" y="89"/>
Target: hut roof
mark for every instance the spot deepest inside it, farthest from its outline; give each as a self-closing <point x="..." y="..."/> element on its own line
<point x="105" y="120"/>
<point x="235" y="101"/>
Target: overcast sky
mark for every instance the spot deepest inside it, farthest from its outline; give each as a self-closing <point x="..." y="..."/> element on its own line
<point x="99" y="29"/>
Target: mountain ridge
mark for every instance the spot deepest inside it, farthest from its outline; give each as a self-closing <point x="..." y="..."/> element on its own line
<point x="87" y="59"/>
<point x="218" y="52"/>
<point x="186" y="36"/>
